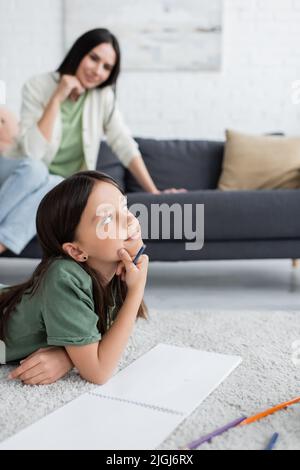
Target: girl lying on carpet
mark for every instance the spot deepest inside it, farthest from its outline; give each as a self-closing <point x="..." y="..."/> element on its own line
<point x="83" y="299"/>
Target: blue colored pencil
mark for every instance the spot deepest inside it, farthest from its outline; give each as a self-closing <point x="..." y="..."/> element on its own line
<point x="272" y="442"/>
<point x="140" y="252"/>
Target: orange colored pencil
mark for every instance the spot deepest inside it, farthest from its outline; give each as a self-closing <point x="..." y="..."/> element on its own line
<point x="259" y="416"/>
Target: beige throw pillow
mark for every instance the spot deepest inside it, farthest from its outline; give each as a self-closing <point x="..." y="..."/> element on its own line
<point x="260" y="162"/>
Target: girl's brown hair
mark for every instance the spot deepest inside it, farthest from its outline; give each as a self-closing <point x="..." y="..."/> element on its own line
<point x="57" y="219"/>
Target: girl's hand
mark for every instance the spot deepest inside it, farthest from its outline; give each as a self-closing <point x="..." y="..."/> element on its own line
<point x="43" y="367"/>
<point x="135" y="276"/>
<point x="69" y="87"/>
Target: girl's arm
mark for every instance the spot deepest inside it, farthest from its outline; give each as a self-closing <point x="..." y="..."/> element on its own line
<point x="97" y="362"/>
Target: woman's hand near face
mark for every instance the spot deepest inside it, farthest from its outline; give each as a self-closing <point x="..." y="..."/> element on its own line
<point x="43" y="367"/>
<point x="69" y="87"/>
<point x="174" y="191"/>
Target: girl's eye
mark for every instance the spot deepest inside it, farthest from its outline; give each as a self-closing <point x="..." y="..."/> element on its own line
<point x="93" y="58"/>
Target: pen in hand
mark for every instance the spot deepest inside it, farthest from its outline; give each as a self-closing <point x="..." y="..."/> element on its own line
<point x="140" y="252"/>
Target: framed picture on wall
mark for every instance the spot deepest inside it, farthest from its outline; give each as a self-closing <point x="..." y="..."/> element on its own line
<point x="161" y="35"/>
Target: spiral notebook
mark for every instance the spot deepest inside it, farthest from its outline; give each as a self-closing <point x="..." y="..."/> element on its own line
<point x="137" y="409"/>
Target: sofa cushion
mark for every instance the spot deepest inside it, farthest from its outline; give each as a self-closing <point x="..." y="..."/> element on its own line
<point x="190" y="164"/>
<point x="251" y="215"/>
<point x="260" y="162"/>
<point x="236" y="215"/>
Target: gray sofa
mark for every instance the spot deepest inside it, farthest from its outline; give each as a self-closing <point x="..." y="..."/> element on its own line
<point x="238" y="224"/>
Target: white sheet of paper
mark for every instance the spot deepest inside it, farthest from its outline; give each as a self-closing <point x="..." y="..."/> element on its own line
<point x="137" y="409"/>
<point x="94" y="423"/>
<point x="171" y="377"/>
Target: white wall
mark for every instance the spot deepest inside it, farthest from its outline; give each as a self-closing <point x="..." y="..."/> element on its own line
<point x="31" y="42"/>
<point x="252" y="92"/>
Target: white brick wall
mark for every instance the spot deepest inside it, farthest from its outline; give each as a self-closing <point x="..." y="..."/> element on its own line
<point x="31" y="42"/>
<point x="261" y="59"/>
<point x="252" y="93"/>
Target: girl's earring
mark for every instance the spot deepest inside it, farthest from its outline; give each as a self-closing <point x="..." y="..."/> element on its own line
<point x="85" y="258"/>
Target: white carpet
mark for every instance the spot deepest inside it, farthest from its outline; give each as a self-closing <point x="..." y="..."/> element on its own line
<point x="267" y="376"/>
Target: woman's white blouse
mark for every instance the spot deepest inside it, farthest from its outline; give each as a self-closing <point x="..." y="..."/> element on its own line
<point x="97" y="121"/>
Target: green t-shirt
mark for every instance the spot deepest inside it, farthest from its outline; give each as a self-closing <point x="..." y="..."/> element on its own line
<point x="70" y="157"/>
<point x="60" y="313"/>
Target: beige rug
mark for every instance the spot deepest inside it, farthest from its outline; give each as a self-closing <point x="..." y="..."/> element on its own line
<point x="266" y="377"/>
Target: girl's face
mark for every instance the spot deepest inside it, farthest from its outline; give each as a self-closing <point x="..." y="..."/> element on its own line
<point x="107" y="225"/>
<point x="96" y="67"/>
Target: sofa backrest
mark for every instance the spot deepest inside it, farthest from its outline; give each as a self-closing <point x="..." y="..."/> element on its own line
<point x="109" y="163"/>
<point x="190" y="164"/>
